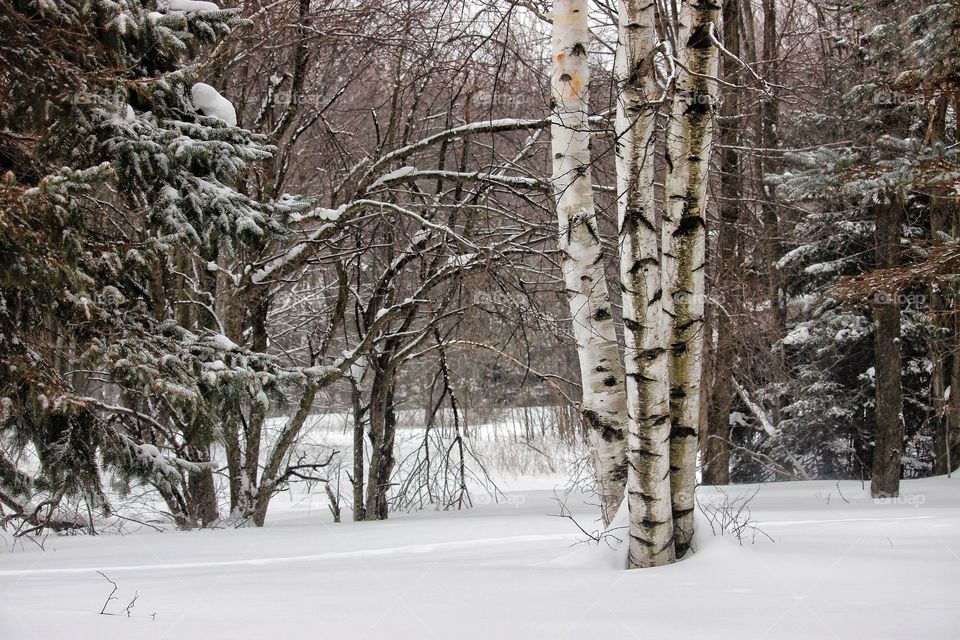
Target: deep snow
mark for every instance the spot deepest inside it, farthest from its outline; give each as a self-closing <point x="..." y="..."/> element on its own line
<point x="840" y="566"/>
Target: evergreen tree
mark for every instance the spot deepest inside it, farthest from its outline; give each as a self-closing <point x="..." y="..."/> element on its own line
<point x="119" y="171"/>
<point x="902" y="158"/>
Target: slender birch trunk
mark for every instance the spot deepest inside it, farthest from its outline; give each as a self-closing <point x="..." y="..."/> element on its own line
<point x="604" y="398"/>
<point x="689" y="137"/>
<point x="645" y="354"/>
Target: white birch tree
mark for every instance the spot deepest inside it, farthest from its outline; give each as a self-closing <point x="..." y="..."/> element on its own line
<point x="604" y="398"/>
<point x="688" y="143"/>
<point x="645" y="355"/>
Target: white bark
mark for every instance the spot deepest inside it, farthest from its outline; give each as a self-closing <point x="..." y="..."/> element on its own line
<point x="604" y="401"/>
<point x="689" y="136"/>
<point x="645" y="355"/>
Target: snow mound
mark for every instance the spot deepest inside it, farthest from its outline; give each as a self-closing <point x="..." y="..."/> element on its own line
<point x="188" y="6"/>
<point x="225" y="343"/>
<point x="209" y="102"/>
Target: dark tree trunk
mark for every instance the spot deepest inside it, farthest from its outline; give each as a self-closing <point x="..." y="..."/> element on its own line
<point x="203" y="492"/>
<point x="770" y="140"/>
<point x="387" y="459"/>
<point x="952" y="444"/>
<point x="359" y="505"/>
<point x="940" y="351"/>
<point x="198" y="496"/>
<point x="382" y="434"/>
<point x="888" y="451"/>
<point x="943" y="347"/>
<point x="716" y="469"/>
<point x="947" y="440"/>
<point x="766" y="164"/>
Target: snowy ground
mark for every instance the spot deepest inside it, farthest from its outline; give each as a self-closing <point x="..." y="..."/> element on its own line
<point x="840" y="566"/>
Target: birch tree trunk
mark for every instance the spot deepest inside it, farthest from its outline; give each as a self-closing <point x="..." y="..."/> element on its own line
<point x="604" y="398"/>
<point x="645" y="354"/>
<point x="683" y="231"/>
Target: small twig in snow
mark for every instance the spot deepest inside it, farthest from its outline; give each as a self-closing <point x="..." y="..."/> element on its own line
<point x="129" y="607"/>
<point x="103" y="611"/>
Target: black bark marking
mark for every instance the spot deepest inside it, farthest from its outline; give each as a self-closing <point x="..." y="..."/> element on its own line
<point x="638" y="265"/>
<point x="700" y="38"/>
<point x="640" y="378"/>
<point x="610" y="434"/>
<point x="619" y="473"/>
<point x="682" y="432"/>
<point x="635" y="217"/>
<point x="650" y="354"/>
<point x="646" y="454"/>
<point x="646" y="497"/>
<point x="688" y="225"/>
<point x="698" y="108"/>
<point x="642" y="541"/>
<point x="607" y="432"/>
<point x="602" y="315"/>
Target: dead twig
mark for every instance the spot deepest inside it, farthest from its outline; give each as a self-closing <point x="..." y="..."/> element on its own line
<point x="112" y="596"/>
